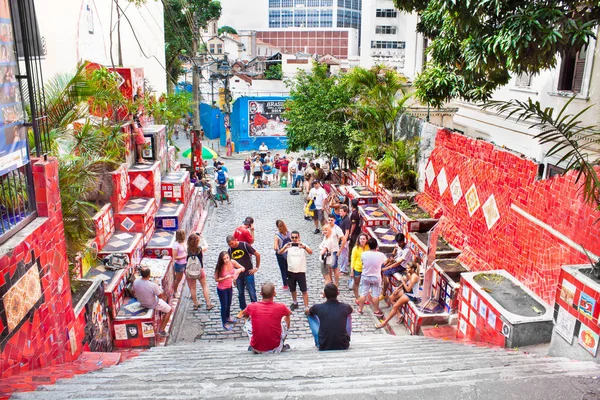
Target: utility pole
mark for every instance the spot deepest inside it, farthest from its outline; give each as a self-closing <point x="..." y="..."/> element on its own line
<point x="195" y="81"/>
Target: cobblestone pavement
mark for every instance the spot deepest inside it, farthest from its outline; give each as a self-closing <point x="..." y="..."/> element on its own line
<point x="265" y="206"/>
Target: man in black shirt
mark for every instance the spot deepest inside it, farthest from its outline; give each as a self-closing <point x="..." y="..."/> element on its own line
<point x="331" y="322"/>
<point x="355" y="225"/>
<point x="242" y="252"/>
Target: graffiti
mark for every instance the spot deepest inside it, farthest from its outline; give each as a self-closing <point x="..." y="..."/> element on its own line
<point x="97" y="331"/>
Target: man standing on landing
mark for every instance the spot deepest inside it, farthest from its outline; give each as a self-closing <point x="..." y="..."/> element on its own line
<point x="296" y="259"/>
<point x="242" y="252"/>
<point x="318" y="195"/>
<point x="370" y="281"/>
<point x="265" y="330"/>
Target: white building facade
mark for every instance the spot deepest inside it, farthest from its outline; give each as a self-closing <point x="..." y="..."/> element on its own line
<point x="80" y="30"/>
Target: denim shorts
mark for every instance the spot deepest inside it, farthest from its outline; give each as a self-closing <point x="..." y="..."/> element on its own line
<point x="180" y="267"/>
<point x="392" y="271"/>
<point x="356" y="273"/>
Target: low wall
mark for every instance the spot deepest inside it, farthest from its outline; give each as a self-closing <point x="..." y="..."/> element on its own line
<point x="37" y="322"/>
<point x="496" y="211"/>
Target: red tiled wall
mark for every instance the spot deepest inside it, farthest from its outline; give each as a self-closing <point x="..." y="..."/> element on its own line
<point x="527" y="251"/>
<point x="42" y="335"/>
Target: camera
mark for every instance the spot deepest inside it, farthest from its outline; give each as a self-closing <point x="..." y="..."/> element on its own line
<point x="295" y="244"/>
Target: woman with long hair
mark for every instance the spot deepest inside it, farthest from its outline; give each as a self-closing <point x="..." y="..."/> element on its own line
<point x="408" y="291"/>
<point x="226" y="273"/>
<point x="180" y="256"/>
<point x="282" y="237"/>
<point x="356" y="262"/>
<point x="194" y="249"/>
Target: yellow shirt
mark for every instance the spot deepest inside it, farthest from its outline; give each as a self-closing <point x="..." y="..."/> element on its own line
<point x="356" y="261"/>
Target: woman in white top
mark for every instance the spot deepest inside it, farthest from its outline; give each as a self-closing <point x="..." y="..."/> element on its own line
<point x="328" y="246"/>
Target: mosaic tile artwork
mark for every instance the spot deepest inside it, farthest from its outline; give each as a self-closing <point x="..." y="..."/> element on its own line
<point x="456" y="190"/>
<point x="169" y="209"/>
<point x="491" y="319"/>
<point x="473" y="317"/>
<point x="21" y="297"/>
<point x="137" y="206"/>
<point x="141" y="167"/>
<point x="490" y="212"/>
<point x="472" y="200"/>
<point x="121" y="242"/>
<point x="588" y="339"/>
<point x="429" y="173"/>
<point x="127" y="224"/>
<point x="442" y="181"/>
<point x="140" y="182"/>
<point x="567" y="292"/>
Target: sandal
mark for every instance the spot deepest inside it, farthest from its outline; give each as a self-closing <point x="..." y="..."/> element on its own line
<point x="379" y="326"/>
<point x="210" y="307"/>
<point x="378" y="315"/>
<point x="400" y="319"/>
<point x="196" y="306"/>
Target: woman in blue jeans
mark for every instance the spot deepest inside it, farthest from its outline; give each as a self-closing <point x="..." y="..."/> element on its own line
<point x="226" y="272"/>
<point x="282" y="237"/>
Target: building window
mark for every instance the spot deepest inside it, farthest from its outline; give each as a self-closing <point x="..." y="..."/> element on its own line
<point x="386" y="13"/>
<point x="313" y="3"/>
<point x="212" y="48"/>
<point x="274" y="3"/>
<point x="326" y="18"/>
<point x="385" y="30"/>
<point x="287" y="3"/>
<point x="219" y="49"/>
<point x="287" y="18"/>
<point x="348" y="19"/>
<point x="572" y="69"/>
<point x="274" y="18"/>
<point x="326" y="3"/>
<point x="387" y="44"/>
<point x="300" y="3"/>
<point x="524" y="80"/>
<point x="300" y="18"/>
<point x="312" y="18"/>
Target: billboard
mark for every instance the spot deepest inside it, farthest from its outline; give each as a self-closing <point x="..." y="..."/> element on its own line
<point x="13" y="135"/>
<point x="264" y="118"/>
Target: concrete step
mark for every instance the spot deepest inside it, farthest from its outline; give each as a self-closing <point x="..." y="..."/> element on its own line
<point x="375" y="366"/>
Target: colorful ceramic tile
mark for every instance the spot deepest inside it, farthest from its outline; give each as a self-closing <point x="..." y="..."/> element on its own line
<point x="456" y="190"/>
<point x="474" y="302"/>
<point x="567" y="292"/>
<point x="472" y="200"/>
<point x="147" y="329"/>
<point x="490" y="212"/>
<point x="586" y="305"/>
<point x="127" y="224"/>
<point x="442" y="181"/>
<point x="429" y="173"/>
<point x="483" y="309"/>
<point x="491" y="319"/>
<point x="473" y="317"/>
<point x="462" y="326"/>
<point x="464" y="308"/>
<point x="565" y="324"/>
<point x="506" y="329"/>
<point x="121" y="332"/>
<point x="21" y="297"/>
<point x="465" y="293"/>
<point x="588" y="339"/>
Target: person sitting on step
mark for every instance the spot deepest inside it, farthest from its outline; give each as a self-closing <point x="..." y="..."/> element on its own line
<point x="331" y="322"/>
<point x="265" y="327"/>
<point x="407" y="291"/>
<point x="150" y="295"/>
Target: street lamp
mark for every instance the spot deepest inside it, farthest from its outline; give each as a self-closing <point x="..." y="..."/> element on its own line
<point x="224" y="72"/>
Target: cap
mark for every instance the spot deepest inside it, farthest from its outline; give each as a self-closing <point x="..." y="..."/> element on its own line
<point x="284" y="156"/>
<point x="248" y="221"/>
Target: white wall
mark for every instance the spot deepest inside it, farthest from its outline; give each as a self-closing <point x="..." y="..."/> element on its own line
<point x="64" y="26"/>
<point x="245" y="14"/>
<point x="517" y="136"/>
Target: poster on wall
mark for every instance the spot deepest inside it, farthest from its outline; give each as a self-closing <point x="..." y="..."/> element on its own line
<point x="264" y="118"/>
<point x="588" y="339"/>
<point x="13" y="136"/>
<point x="565" y="324"/>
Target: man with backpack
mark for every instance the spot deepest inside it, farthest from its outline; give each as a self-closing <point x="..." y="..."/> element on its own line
<point x="221" y="178"/>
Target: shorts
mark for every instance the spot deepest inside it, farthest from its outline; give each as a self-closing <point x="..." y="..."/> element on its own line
<point x="392" y="271"/>
<point x="139" y="136"/>
<point x="162" y="306"/>
<point x="334" y="260"/>
<point x="299" y="278"/>
<point x="180" y="267"/>
<point x="357" y="273"/>
<point x="325" y="268"/>
<point x="370" y="284"/>
<point x="222" y="190"/>
<point x="318" y="215"/>
<point x="257" y="174"/>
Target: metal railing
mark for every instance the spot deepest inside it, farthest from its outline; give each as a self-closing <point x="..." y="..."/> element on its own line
<point x="17" y="193"/>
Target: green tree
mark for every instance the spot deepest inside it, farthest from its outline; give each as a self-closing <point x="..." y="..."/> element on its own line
<point x="274" y="72"/>
<point x="380" y="102"/>
<point x="170" y="109"/>
<point x="476" y="45"/>
<point x="315" y="112"/>
<point x="180" y="18"/>
<point x="226" y="29"/>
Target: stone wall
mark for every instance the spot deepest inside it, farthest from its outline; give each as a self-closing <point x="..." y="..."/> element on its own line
<point x="502" y="217"/>
<point x="37" y="322"/>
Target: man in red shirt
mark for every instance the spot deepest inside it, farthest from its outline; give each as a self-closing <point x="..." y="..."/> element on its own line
<point x="285" y="167"/>
<point x="265" y="328"/>
<point x="245" y="233"/>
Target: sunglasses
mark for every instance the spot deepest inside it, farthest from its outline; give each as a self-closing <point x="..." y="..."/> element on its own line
<point x="295" y="237"/>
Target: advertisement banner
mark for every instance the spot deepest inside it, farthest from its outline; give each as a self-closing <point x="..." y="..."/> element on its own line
<point x="13" y="136"/>
<point x="264" y="118"/>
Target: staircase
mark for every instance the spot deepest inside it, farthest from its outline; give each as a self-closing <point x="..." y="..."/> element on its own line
<point x="382" y="366"/>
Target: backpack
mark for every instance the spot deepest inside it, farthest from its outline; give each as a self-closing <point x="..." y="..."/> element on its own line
<point x="221" y="179"/>
<point x="193" y="269"/>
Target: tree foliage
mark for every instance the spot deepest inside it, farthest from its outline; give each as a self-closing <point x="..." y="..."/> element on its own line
<point x="316" y="116"/>
<point x="274" y="72"/>
<point x="180" y="18"/>
<point x="476" y="45"/>
<point x="227" y="29"/>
